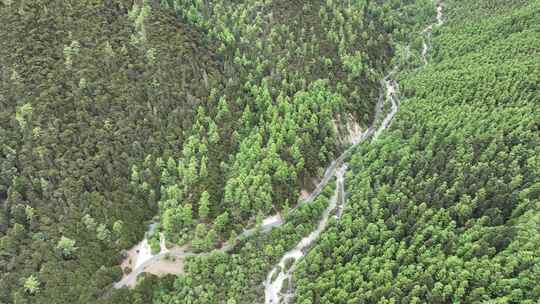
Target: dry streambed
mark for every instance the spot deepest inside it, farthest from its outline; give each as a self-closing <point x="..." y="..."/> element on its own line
<point x="170" y="260"/>
<point x="283" y="271"/>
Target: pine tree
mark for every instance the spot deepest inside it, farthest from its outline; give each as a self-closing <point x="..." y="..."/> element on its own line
<point x="204" y="206"/>
<point x="66" y="246"/>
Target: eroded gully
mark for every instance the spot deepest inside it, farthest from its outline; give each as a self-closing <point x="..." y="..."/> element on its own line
<point x="145" y="260"/>
<point x="280" y="273"/>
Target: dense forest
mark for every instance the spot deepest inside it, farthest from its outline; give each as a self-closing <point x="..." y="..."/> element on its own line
<point x="82" y="101"/>
<point x="445" y="207"/>
<point x="206" y="117"/>
<point x="292" y="89"/>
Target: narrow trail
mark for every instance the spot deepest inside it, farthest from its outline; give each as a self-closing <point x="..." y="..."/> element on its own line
<point x="279" y="274"/>
<point x="145" y="260"/>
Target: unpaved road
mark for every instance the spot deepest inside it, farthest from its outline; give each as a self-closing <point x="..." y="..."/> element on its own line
<point x="171" y="261"/>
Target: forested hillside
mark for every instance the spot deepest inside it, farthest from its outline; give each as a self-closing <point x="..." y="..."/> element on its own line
<point x="297" y="86"/>
<point x="87" y="89"/>
<point x="445" y="207"/>
<point x="113" y="110"/>
<point x="208" y="117"/>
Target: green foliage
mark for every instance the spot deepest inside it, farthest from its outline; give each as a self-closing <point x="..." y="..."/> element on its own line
<point x="445" y="207"/>
<point x="117" y="227"/>
<point x="275" y="124"/>
<point x="212" y="115"/>
<point x="155" y="246"/>
<point x="237" y="275"/>
<point x="80" y="107"/>
<point x="24" y="114"/>
<point x="31" y="285"/>
<point x="103" y="233"/>
<point x="204" y="208"/>
<point x="66" y="247"/>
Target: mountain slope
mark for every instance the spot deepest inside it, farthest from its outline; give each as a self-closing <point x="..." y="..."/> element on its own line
<point x="444" y="208"/>
<point x="79" y="105"/>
